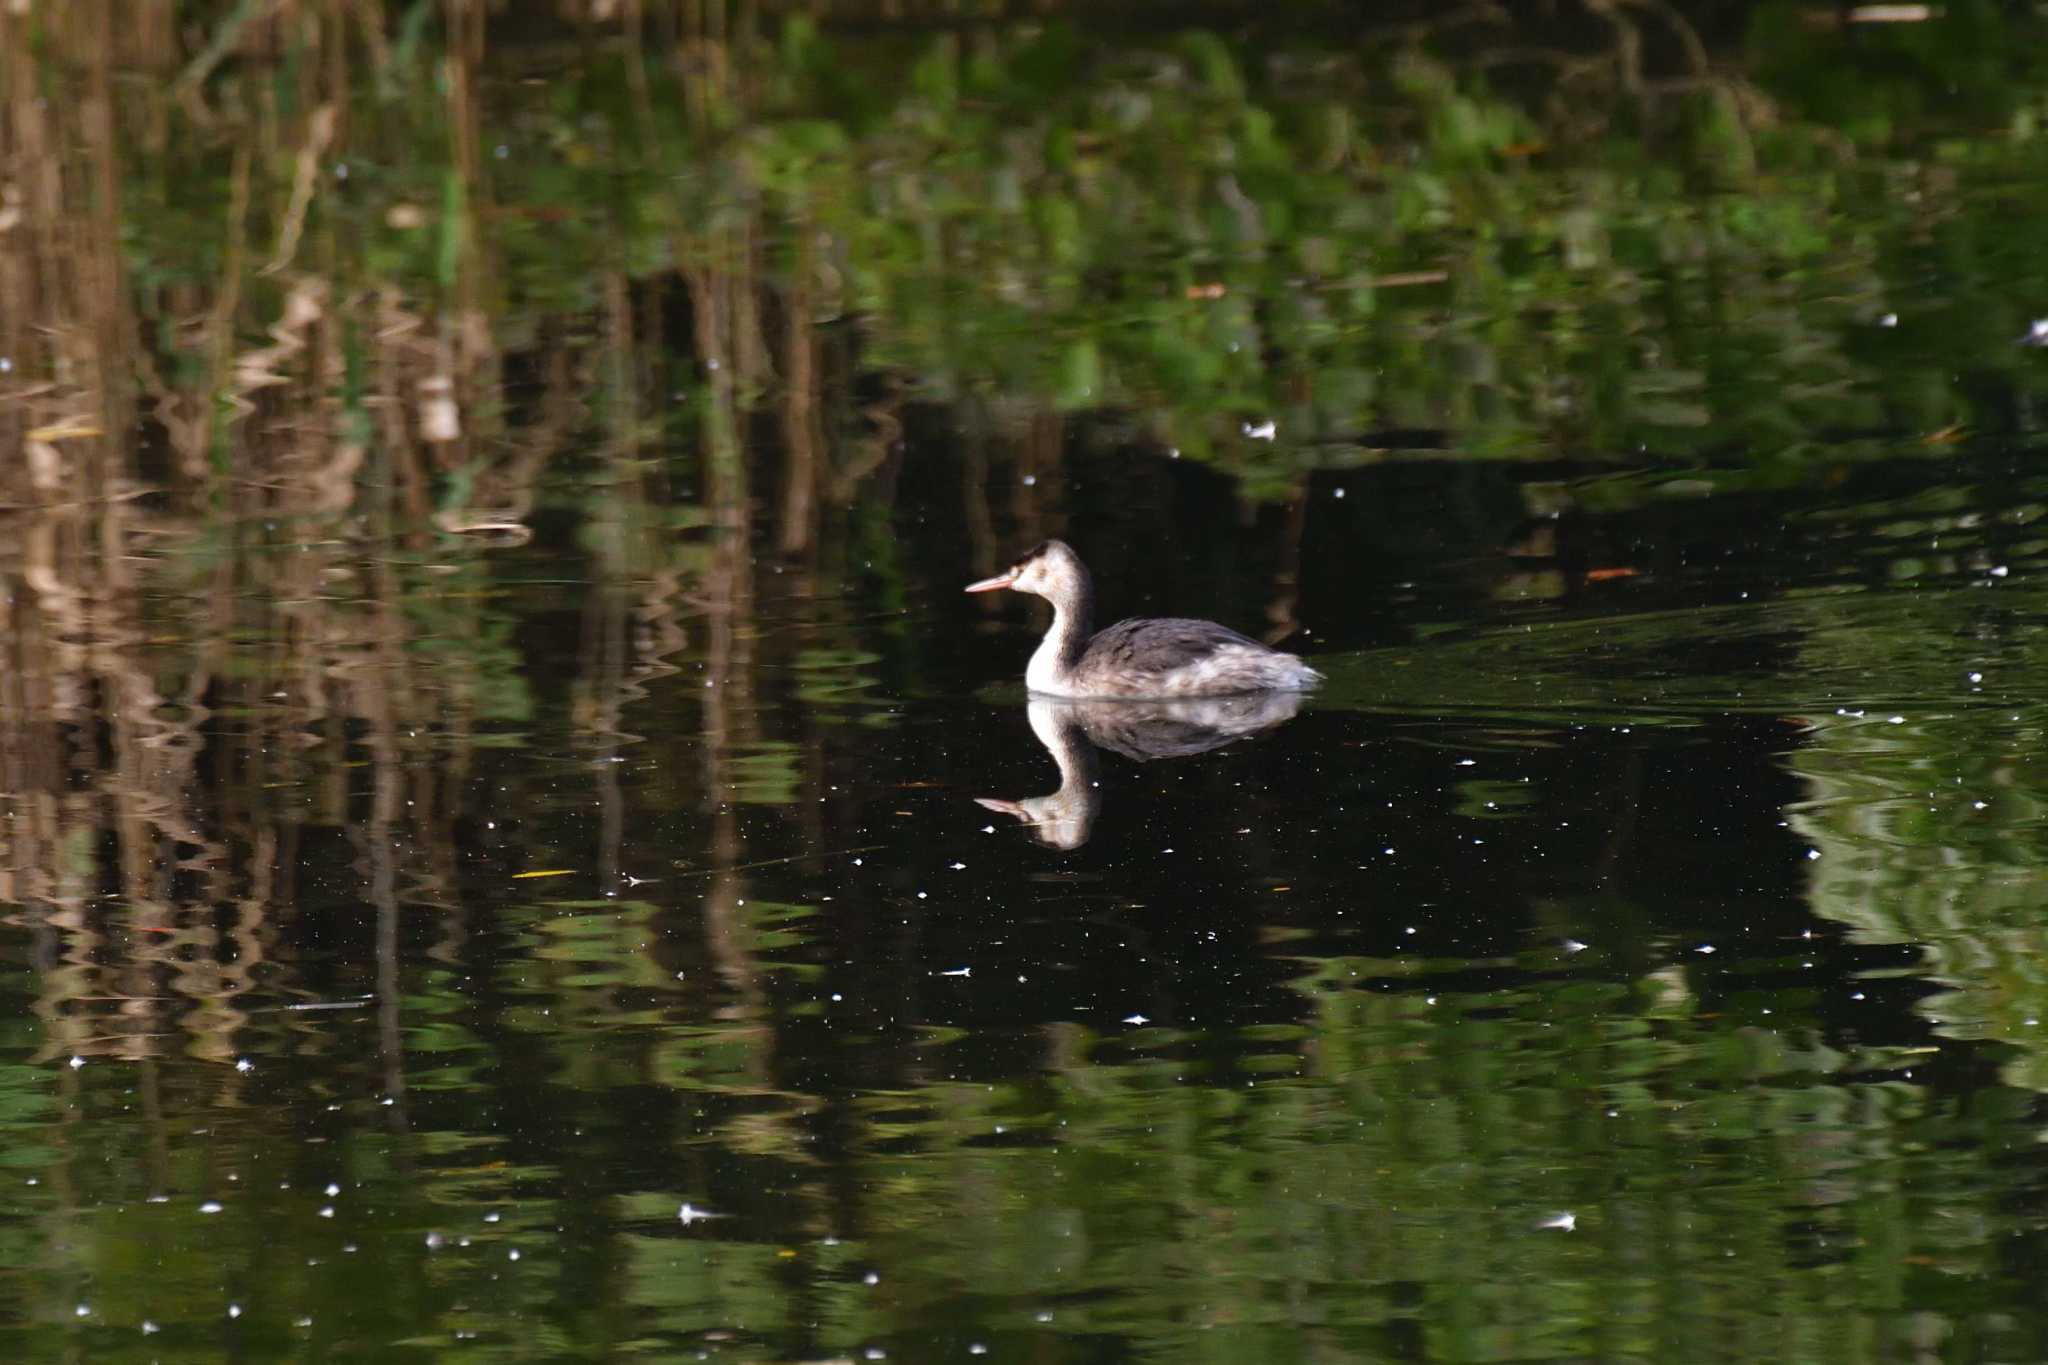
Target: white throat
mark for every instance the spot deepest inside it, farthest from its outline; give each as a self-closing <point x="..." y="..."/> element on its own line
<point x="1044" y="674"/>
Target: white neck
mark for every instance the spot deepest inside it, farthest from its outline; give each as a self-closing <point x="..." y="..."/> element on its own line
<point x="1051" y="670"/>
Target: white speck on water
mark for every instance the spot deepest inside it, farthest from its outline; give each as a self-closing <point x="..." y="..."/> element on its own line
<point x="493" y="1217"/>
<point x="77" y="1062"/>
<point x="303" y="1322"/>
<point x="1888" y="320"/>
<point x="513" y="1254"/>
<point x="1894" y="720"/>
<point x="211" y="1206"/>
<point x="1262" y="431"/>
<point x="871" y="1278"/>
<point x="1136" y="1019"/>
<point x="1340" y="493"/>
<point x="1976" y="677"/>
<point x="988" y="829"/>
<point x="84" y="1310"/>
<point x="958" y="971"/>
<point x="2000" y="571"/>
<point x="874" y="1353"/>
<point x="1042" y="1315"/>
<point x="234" y="1310"/>
<point x="435" y="1241"/>
<point x="976" y="1349"/>
<point x="1030" y="480"/>
<point x="1561" y="1222"/>
<point x="6" y="364"/>
<point x="1704" y="948"/>
<point x="1572" y="945"/>
<point x="857" y="862"/>
<point x="1468" y="762"/>
<point x="327" y="1210"/>
<point x="149" y="1328"/>
<point x="244" y="1065"/>
<point x="1857" y="996"/>
<point x="332" y="1189"/>
<point x="1409" y="930"/>
<point x="1813" y="855"/>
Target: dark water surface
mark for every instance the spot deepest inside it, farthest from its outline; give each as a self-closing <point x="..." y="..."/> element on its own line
<point x="1649" y="971"/>
<point x="513" y="845"/>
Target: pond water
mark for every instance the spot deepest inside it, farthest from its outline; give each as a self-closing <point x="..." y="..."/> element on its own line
<point x="514" y="846"/>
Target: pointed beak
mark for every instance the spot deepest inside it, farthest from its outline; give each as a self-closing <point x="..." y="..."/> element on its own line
<point x="1002" y="807"/>
<point x="1001" y="580"/>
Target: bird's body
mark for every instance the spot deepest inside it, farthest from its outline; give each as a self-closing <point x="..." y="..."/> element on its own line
<point x="1150" y="657"/>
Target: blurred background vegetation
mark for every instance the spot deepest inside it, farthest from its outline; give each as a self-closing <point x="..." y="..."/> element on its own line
<point x="1752" y="234"/>
<point x="442" y="441"/>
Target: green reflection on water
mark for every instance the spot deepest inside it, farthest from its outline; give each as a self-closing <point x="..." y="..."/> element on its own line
<point x="581" y="484"/>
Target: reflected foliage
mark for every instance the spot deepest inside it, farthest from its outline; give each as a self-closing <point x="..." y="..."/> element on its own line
<point x="487" y="734"/>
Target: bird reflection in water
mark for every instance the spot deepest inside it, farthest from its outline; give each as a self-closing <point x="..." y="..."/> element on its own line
<point x="1071" y="731"/>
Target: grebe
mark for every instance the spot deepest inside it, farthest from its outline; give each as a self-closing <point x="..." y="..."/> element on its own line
<point x="1143" y="730"/>
<point x="1150" y="657"/>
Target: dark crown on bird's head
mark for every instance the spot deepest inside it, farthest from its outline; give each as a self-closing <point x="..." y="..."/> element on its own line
<point x="1041" y="550"/>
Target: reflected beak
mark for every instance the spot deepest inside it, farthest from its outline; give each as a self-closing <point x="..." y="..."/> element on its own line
<point x="1002" y="807"/>
<point x="1001" y="580"/>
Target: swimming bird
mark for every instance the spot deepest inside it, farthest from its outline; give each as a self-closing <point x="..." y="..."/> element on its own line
<point x="1149" y="657"/>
